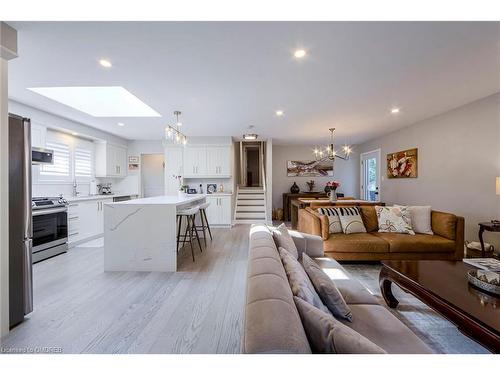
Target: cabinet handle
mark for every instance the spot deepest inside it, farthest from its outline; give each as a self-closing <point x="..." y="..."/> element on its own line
<point x="73" y="218"/>
<point x="73" y="234"/>
<point x="73" y="205"/>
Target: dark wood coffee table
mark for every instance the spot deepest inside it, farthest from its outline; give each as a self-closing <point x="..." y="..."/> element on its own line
<point x="443" y="286"/>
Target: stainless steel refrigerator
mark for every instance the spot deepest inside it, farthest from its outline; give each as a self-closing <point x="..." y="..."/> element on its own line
<point x="20" y="220"/>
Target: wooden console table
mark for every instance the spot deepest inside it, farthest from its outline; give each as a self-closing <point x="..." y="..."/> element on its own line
<point x="287" y="197"/>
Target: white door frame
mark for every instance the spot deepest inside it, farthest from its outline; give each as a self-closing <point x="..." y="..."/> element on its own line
<point x="379" y="176"/>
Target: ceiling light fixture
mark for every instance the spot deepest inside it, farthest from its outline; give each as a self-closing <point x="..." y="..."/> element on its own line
<point x="250" y="137"/>
<point x="300" y="53"/>
<point x="74" y="133"/>
<point x="329" y="152"/>
<point x="121" y="124"/>
<point x="395" y="111"/>
<point x="173" y="134"/>
<point x="105" y="63"/>
<point x="279" y="113"/>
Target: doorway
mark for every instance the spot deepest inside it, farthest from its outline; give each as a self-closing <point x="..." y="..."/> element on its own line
<point x="152" y="175"/>
<point x="252" y="159"/>
<point x="370" y="176"/>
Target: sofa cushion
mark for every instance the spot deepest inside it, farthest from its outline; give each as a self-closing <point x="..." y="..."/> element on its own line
<point x="378" y="325"/>
<point x="369" y="217"/>
<point x="351" y="220"/>
<point x="328" y="335"/>
<point x="421" y="219"/>
<point x="350" y="288"/>
<point x="284" y="240"/>
<point x="327" y="291"/>
<point x="334" y="225"/>
<point x="444" y="224"/>
<point x="299" y="281"/>
<point x="396" y="219"/>
<point x="418" y="243"/>
<point x="356" y="243"/>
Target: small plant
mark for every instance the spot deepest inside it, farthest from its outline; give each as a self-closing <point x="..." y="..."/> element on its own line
<point x="179" y="178"/>
<point x="333" y="185"/>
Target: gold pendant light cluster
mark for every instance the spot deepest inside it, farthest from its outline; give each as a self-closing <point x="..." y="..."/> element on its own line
<point x="329" y="152"/>
<point x="172" y="132"/>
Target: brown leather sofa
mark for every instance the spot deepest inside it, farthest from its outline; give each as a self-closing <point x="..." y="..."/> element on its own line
<point x="447" y="243"/>
<point x="272" y="323"/>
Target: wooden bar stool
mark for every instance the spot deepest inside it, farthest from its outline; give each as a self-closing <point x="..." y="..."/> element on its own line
<point x="191" y="232"/>
<point x="204" y="221"/>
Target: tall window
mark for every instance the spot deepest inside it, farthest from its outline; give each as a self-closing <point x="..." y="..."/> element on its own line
<point x="61" y="166"/>
<point x="83" y="162"/>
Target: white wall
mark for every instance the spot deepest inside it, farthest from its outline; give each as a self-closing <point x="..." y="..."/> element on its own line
<point x="458" y="160"/>
<point x="344" y="171"/>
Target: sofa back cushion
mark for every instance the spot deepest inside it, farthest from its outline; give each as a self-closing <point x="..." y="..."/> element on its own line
<point x="283" y="239"/>
<point x="369" y="216"/>
<point x="269" y="296"/>
<point x="444" y="224"/>
<point x="351" y="220"/>
<point x="334" y="225"/>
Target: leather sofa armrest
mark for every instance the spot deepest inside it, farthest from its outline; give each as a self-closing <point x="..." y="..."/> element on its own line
<point x="308" y="243"/>
<point x="460" y="238"/>
<point x="312" y="223"/>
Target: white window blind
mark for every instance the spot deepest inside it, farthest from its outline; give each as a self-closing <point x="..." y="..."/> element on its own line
<point x="61" y="166"/>
<point x="83" y="162"/>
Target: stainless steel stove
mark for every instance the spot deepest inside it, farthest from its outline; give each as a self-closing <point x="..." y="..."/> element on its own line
<point x="50" y="227"/>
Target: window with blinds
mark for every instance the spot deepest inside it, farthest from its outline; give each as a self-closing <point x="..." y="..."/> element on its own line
<point x="61" y="166"/>
<point x="83" y="162"/>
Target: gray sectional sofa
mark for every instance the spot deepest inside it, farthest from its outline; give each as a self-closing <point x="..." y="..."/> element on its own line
<point x="272" y="323"/>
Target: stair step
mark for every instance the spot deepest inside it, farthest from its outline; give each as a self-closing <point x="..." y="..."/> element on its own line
<point x="248" y="221"/>
<point x="250" y="209"/>
<point x="251" y="196"/>
<point x="250" y="215"/>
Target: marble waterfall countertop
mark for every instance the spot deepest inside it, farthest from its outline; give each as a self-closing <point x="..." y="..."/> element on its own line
<point x="97" y="197"/>
<point x="175" y="200"/>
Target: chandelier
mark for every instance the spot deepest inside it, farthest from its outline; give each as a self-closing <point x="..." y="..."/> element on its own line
<point x="173" y="134"/>
<point x="329" y="152"/>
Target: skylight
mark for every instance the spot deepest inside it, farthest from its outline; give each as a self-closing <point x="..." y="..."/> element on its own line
<point x="101" y="101"/>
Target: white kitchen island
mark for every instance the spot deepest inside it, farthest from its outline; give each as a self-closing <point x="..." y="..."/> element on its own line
<point x="140" y="234"/>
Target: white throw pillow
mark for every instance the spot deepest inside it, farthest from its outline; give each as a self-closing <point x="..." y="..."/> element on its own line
<point x="350" y="219"/>
<point x="421" y="219"/>
<point x="395" y="219"/>
<point x="334" y="225"/>
<point x="283" y="239"/>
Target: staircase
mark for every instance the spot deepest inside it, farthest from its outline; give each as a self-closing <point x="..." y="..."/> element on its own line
<point x="250" y="205"/>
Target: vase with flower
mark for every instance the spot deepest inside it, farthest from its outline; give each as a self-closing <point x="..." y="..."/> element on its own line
<point x="181" y="192"/>
<point x="333" y="185"/>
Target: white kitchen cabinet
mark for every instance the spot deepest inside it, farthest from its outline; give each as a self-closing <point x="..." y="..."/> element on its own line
<point x="86" y="219"/>
<point x="219" y="211"/>
<point x="195" y="161"/>
<point x="38" y="135"/>
<point x="110" y="160"/>
<point x="218" y="161"/>
<point x="173" y="167"/>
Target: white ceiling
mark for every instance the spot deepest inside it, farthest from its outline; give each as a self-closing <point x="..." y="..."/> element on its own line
<point x="227" y="76"/>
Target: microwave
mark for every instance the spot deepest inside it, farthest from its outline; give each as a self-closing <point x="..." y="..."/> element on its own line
<point x="42" y="156"/>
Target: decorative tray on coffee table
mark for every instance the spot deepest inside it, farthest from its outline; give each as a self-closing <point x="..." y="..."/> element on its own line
<point x="485" y="280"/>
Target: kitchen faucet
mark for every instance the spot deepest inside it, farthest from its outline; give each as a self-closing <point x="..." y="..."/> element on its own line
<point x="75" y="192"/>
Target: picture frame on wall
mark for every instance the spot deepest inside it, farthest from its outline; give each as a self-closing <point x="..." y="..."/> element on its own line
<point x="403" y="164"/>
<point x="211" y="188"/>
<point x="309" y="168"/>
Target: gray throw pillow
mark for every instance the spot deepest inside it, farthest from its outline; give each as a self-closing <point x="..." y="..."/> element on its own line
<point x="299" y="281"/>
<point x="283" y="239"/>
<point x="327" y="290"/>
<point x="328" y="335"/>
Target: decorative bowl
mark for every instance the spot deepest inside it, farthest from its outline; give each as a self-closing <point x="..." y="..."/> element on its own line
<point x="472" y="276"/>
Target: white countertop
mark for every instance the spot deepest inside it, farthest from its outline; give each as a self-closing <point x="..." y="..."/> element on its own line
<point x="174" y="200"/>
<point x="97" y="197"/>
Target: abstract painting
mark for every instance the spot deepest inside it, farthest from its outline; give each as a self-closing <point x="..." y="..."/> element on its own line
<point x="402" y="164"/>
<point x="309" y="168"/>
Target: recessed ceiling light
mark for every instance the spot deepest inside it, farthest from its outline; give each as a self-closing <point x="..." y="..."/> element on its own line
<point x="300" y="53"/>
<point x="99" y="101"/>
<point x="105" y="63"/>
<point x="394" y="110"/>
<point x="279" y="113"/>
<point x="121" y="124"/>
<point x="250" y="137"/>
<point x="74" y="133"/>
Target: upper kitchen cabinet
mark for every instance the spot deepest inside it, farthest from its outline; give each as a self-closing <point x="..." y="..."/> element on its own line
<point x="195" y="161"/>
<point x="207" y="161"/>
<point x="110" y="160"/>
<point x="38" y="135"/>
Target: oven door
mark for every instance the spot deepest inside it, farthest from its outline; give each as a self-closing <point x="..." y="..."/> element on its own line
<point x="50" y="228"/>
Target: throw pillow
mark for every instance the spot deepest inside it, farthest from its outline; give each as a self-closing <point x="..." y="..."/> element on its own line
<point x="283" y="239"/>
<point x="328" y="335"/>
<point x="299" y="281"/>
<point x="350" y="219"/>
<point x="394" y="219"/>
<point x="326" y="289"/>
<point x="334" y="225"/>
<point x="421" y="219"/>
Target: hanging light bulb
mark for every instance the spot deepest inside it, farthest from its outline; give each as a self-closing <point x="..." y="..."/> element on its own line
<point x="184" y="141"/>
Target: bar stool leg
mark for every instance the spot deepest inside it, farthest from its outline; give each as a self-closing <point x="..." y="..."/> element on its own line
<point x="179" y="223"/>
<point x="203" y="227"/>
<point x="189" y="230"/>
<point x="196" y="232"/>
<point x="206" y="220"/>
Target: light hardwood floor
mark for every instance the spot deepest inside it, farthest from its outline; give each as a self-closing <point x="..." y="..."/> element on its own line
<point x="82" y="309"/>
